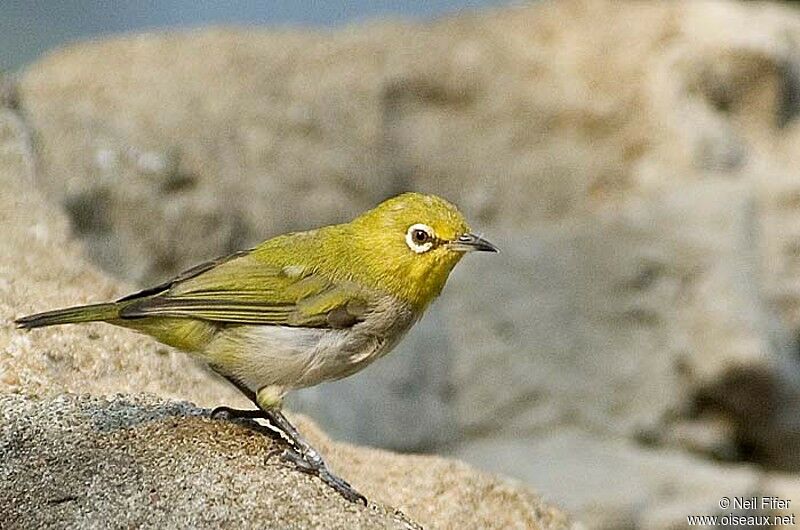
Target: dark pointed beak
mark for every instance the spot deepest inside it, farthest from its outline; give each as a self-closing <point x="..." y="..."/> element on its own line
<point x="471" y="243"/>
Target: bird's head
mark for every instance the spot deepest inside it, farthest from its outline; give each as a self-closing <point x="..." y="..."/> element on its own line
<point x="410" y="243"/>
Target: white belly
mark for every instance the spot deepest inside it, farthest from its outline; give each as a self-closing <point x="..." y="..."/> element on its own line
<point x="296" y="357"/>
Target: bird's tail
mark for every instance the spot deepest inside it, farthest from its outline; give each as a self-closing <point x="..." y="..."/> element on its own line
<point x="70" y="315"/>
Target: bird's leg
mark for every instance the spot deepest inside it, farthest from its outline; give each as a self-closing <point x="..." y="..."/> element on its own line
<point x="240" y="413"/>
<point x="302" y="454"/>
<point x="237" y="413"/>
<point x="308" y="459"/>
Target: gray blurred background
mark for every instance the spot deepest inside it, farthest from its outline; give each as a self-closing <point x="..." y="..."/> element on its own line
<point x="633" y="353"/>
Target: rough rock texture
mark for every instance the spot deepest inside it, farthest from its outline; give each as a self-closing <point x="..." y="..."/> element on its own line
<point x="89" y="462"/>
<point x="134" y="461"/>
<point x="139" y="461"/>
<point x="636" y="162"/>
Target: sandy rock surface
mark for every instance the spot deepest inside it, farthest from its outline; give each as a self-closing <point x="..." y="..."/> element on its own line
<point x="133" y="462"/>
<point x="139" y="461"/>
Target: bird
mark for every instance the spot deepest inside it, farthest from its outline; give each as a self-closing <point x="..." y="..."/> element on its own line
<point x="300" y="308"/>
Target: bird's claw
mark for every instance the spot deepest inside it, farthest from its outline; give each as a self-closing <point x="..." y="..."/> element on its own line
<point x="220" y="411"/>
<point x="314" y="465"/>
<point x="290" y="455"/>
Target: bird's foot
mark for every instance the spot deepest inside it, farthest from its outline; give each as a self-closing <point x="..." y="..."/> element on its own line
<point x="233" y="414"/>
<point x="300" y="453"/>
<point x="310" y="462"/>
<point x="238" y="413"/>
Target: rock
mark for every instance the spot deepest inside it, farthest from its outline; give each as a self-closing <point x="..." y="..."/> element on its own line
<point x="9" y="97"/>
<point x="617" y="484"/>
<point x="134" y="462"/>
<point x="137" y="460"/>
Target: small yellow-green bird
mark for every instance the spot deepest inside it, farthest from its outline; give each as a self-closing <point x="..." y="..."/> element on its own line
<point x="301" y="308"/>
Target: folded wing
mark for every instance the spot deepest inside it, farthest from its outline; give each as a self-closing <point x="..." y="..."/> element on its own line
<point x="241" y="289"/>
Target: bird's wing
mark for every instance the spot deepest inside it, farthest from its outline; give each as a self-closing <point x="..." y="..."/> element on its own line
<point x="185" y="275"/>
<point x="242" y="289"/>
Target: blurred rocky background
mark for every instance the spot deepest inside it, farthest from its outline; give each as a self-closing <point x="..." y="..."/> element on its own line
<point x="634" y="352"/>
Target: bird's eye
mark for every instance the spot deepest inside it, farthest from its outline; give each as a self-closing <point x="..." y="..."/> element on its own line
<point x="419" y="238"/>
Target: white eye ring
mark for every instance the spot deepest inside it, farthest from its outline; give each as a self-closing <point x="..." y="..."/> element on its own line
<point x="419" y="248"/>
